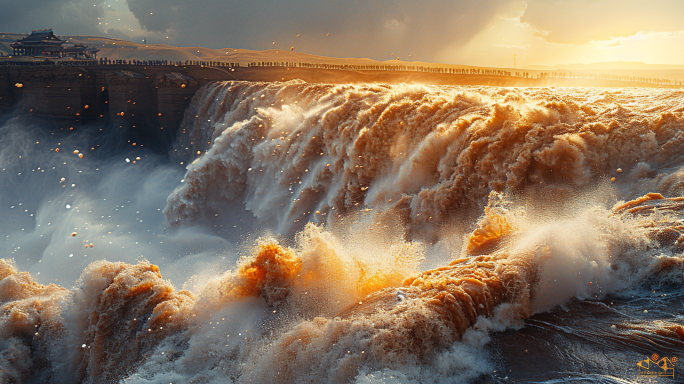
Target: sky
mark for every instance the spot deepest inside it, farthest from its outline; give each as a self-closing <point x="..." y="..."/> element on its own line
<point x="482" y="32"/>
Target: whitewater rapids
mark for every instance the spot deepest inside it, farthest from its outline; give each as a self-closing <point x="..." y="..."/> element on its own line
<point x="376" y="233"/>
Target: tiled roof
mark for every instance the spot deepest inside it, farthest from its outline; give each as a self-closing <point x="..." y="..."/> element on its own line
<point x="41" y="36"/>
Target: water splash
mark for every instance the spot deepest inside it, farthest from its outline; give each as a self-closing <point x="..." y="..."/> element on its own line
<point x="538" y="198"/>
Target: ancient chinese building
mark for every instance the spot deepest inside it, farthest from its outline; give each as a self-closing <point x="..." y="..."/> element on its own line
<point x="44" y="43"/>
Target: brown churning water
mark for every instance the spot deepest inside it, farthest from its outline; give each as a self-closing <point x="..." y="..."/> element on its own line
<point x="417" y="234"/>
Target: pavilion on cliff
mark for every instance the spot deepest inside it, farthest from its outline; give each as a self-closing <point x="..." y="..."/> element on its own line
<point x="44" y="43"/>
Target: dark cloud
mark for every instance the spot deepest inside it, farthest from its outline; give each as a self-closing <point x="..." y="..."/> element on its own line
<point x="356" y="28"/>
<point x="580" y="21"/>
<point x="374" y="29"/>
<point x="66" y="17"/>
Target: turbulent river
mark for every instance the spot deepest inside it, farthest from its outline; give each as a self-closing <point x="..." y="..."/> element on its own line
<point x="351" y="233"/>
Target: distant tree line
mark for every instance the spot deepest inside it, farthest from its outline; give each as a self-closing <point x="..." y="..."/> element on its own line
<point x="353" y="67"/>
<point x="411" y="68"/>
<point x="103" y="61"/>
<point x="472" y="71"/>
<point x="608" y="76"/>
<point x="169" y="62"/>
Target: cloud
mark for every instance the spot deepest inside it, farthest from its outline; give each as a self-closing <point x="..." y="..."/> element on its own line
<point x="356" y="29"/>
<point x="66" y="17"/>
<point x="507" y="35"/>
<point x="393" y="24"/>
<point x="512" y="46"/>
<point x="338" y="28"/>
<point x="581" y="21"/>
<point x="457" y="31"/>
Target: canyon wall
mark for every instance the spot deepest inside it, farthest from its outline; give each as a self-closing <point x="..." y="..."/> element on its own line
<point x="147" y="101"/>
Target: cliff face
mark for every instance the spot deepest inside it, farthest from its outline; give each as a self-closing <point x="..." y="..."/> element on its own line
<point x="149" y="102"/>
<point x="6" y="95"/>
<point x="52" y="92"/>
